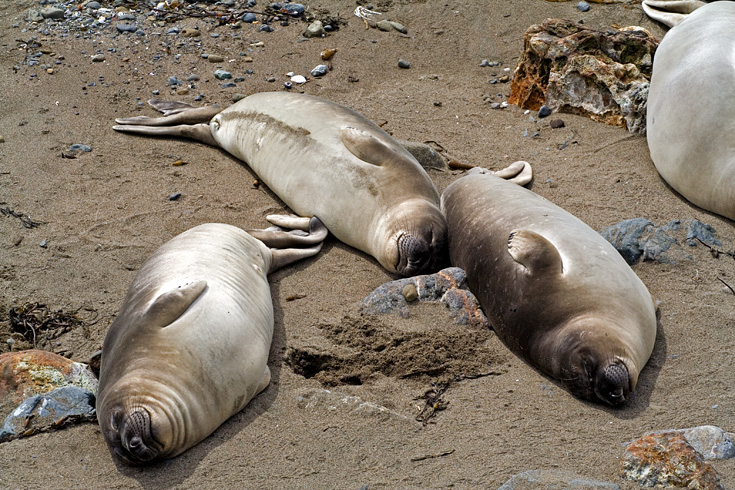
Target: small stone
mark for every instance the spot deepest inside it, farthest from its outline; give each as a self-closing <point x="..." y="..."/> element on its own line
<point x="126" y="27"/>
<point x="215" y="58"/>
<point x="238" y="97"/>
<point x="93" y="5"/>
<point x="410" y="293"/>
<point x="173" y="81"/>
<point x="172" y="30"/>
<point x="175" y="196"/>
<point x="544" y="111"/>
<point x="182" y="91"/>
<point x="294" y="9"/>
<point x="287" y="85"/>
<point x="403" y="64"/>
<point x="556" y="124"/>
<point x="504" y="79"/>
<point x="50" y="71"/>
<point x="190" y="32"/>
<point x="265" y="28"/>
<point x="399" y="27"/>
<point x="52" y="13"/>
<point x="222" y="75"/>
<point x="249" y="18"/>
<point x="484" y="63"/>
<point x="80" y="147"/>
<point x="583" y="6"/>
<point x="384" y="25"/>
<point x="496" y="105"/>
<point x="229" y="85"/>
<point x="43" y="244"/>
<point x="2" y="139"/>
<point x="192" y="78"/>
<point x="298" y="79"/>
<point x="427" y="156"/>
<point x="315" y="29"/>
<point x="319" y="71"/>
<point x="97" y="58"/>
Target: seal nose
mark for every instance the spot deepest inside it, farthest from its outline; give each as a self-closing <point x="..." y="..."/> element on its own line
<point x="415" y="255"/>
<point x="136" y="430"/>
<point x="613" y="384"/>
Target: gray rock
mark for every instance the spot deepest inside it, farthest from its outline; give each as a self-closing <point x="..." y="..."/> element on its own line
<point x="315" y="29"/>
<point x="384" y="25"/>
<point x="49" y="411"/>
<point x="425" y="154"/>
<point x="448" y="286"/>
<point x="639" y="237"/>
<point x="52" y="13"/>
<point x="404" y="64"/>
<point x="80" y="147"/>
<point x="710" y="441"/>
<point x="554" y="480"/>
<point x="249" y="18"/>
<point x="583" y="6"/>
<point x="93" y="5"/>
<point x="33" y="16"/>
<point x="222" y="75"/>
<point x="215" y="58"/>
<point x="544" y="111"/>
<point x="398" y="26"/>
<point x="319" y="71"/>
<point x="98" y="58"/>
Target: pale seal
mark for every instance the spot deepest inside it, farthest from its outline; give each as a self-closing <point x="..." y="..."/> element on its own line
<point x="555" y="292"/>
<point x="323" y="159"/>
<point x="190" y="343"/>
<point x="691" y="108"/>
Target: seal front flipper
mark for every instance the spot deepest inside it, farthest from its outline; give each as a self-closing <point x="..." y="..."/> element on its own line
<point x="534" y="252"/>
<point x="370" y="149"/>
<point x="198" y="132"/>
<point x="169" y="306"/>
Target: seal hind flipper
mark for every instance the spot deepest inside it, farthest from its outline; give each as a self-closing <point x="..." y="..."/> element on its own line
<point x="534" y="252"/>
<point x="173" y="113"/>
<point x="278" y="239"/>
<point x="198" y="132"/>
<point x="370" y="149"/>
<point x="169" y="306"/>
<point x="668" y="12"/>
<point x="519" y="172"/>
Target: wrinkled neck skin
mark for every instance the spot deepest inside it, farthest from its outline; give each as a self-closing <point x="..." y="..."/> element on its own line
<point x="121" y="424"/>
<point x="410" y="238"/>
<point x="582" y="356"/>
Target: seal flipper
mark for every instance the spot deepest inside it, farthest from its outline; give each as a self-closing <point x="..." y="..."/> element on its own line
<point x="277" y="238"/>
<point x="198" y="132"/>
<point x="534" y="252"/>
<point x="173" y="113"/>
<point x="370" y="149"/>
<point x="169" y="306"/>
<point x="669" y="12"/>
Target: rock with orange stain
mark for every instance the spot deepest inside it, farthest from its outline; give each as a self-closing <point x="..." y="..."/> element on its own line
<point x="448" y="286"/>
<point x="572" y="68"/>
<point x="33" y="372"/>
<point x="667" y="460"/>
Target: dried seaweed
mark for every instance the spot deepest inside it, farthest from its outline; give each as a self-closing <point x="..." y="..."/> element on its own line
<point x="25" y="220"/>
<point x="39" y="325"/>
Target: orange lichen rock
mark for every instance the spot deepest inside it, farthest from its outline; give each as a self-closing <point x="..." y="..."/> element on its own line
<point x="34" y="372"/>
<point x="572" y="68"/>
<point x="666" y="459"/>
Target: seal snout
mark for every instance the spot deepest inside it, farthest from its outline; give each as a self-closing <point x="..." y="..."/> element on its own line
<point x="137" y="444"/>
<point x="612" y="383"/>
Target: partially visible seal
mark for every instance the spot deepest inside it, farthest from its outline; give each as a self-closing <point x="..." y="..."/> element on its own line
<point x="670" y="12"/>
<point x="323" y="159"/>
<point x="190" y="343"/>
<point x="555" y="292"/>
<point x="691" y="108"/>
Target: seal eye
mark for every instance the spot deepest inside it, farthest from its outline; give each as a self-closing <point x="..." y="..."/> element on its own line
<point x="215" y="124"/>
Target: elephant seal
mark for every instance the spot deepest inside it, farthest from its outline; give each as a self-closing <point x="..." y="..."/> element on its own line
<point x="691" y="108"/>
<point x="189" y="346"/>
<point x="555" y="292"/>
<point x="323" y="159"/>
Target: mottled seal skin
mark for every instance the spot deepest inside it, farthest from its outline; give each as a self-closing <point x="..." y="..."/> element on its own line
<point x="190" y="343"/>
<point x="323" y="159"/>
<point x="691" y="108"/>
<point x="555" y="292"/>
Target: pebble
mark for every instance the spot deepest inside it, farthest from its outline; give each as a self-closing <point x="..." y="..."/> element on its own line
<point x="98" y="58"/>
<point x="190" y="32"/>
<point x="294" y="9"/>
<point x="583" y="6"/>
<point x="384" y="25"/>
<point x="93" y="5"/>
<point x="49" y="411"/>
<point x="398" y="26"/>
<point x="544" y="111"/>
<point x="403" y="64"/>
<point x="126" y="27"/>
<point x="298" y="79"/>
<point x="80" y="147"/>
<point x="175" y="196"/>
<point x="556" y="124"/>
<point x="2" y="139"/>
<point x="410" y="294"/>
<point x="173" y="81"/>
<point x="172" y="30"/>
<point x="319" y="71"/>
<point x="222" y="75"/>
<point x="249" y="18"/>
<point x="328" y="53"/>
<point x="315" y="29"/>
<point x="215" y="58"/>
<point x="265" y="28"/>
<point x="427" y="156"/>
<point x="192" y="78"/>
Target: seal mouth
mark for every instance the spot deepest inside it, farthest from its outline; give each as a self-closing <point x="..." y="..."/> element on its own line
<point x="137" y="444"/>
<point x="419" y="254"/>
<point x="612" y="384"/>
